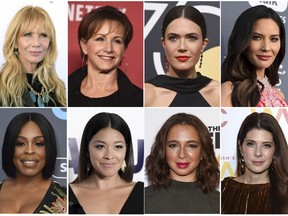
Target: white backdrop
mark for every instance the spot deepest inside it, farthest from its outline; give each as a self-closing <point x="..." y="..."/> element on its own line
<point x="155" y="118"/>
<point x="57" y="10"/>
<point x="78" y="117"/>
<point x="231" y="120"/>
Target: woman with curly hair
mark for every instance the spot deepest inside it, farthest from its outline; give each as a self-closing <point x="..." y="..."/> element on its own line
<point x="28" y="77"/>
<point x="256" y="49"/>
<point x="182" y="169"/>
<point x="261" y="186"/>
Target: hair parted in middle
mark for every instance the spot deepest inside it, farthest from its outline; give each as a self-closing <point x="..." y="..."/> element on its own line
<point x="96" y="123"/>
<point x="187" y="12"/>
<point x="278" y="170"/>
<point x="157" y="169"/>
<point x="12" y="131"/>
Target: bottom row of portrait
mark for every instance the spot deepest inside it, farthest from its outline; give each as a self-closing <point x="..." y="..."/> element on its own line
<point x="136" y="161"/>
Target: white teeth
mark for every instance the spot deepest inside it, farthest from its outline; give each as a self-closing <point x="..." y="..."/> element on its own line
<point x="29" y="162"/>
<point x="106" y="57"/>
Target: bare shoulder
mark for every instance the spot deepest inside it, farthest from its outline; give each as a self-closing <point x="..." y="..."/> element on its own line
<point x="211" y="93"/>
<point x="150" y="93"/>
<point x="226" y="91"/>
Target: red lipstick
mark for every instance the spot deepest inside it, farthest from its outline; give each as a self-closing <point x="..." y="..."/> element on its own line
<point x="182" y="165"/>
<point x="182" y="58"/>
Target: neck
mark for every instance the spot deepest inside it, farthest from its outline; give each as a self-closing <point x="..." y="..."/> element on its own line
<point x="260" y="73"/>
<point x="101" y="79"/>
<point x="29" y="180"/>
<point x="184" y="74"/>
<point x="253" y="178"/>
<point x="104" y="183"/>
<point x="188" y="178"/>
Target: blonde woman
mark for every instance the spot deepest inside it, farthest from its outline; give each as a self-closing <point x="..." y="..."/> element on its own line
<point x="28" y="77"/>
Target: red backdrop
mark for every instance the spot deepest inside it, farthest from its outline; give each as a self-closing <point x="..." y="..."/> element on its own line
<point x="134" y="52"/>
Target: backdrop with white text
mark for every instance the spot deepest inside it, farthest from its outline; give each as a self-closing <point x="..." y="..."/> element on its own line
<point x="231" y="120"/>
<point x="155" y="118"/>
<point x="78" y="118"/>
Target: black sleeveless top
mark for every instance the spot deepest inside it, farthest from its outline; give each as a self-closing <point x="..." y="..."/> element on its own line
<point x="188" y="94"/>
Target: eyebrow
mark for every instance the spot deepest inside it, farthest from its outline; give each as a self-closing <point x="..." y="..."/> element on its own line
<point x="188" y="141"/>
<point x="275" y="35"/>
<point x="100" y="141"/>
<point x="36" y="137"/>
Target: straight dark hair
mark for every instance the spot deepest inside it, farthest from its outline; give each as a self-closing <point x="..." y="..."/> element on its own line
<point x="278" y="170"/>
<point x="96" y="123"/>
<point x="187" y="12"/>
<point x="11" y="135"/>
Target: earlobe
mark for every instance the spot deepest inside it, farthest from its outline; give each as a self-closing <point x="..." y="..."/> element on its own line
<point x="205" y="42"/>
<point x="83" y="46"/>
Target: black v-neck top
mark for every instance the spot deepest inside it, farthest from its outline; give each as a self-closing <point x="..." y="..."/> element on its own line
<point x="133" y="205"/>
<point x="188" y="94"/>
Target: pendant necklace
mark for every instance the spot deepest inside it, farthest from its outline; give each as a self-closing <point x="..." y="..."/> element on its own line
<point x="42" y="97"/>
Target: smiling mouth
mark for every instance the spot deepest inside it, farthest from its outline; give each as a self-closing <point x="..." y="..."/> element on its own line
<point x="182" y="165"/>
<point x="106" y="57"/>
<point x="264" y="58"/>
<point x="29" y="163"/>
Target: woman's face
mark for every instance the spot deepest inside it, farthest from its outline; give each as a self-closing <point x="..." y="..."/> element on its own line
<point x="29" y="156"/>
<point x="183" y="152"/>
<point x="106" y="48"/>
<point x="107" y="150"/>
<point x="183" y="44"/>
<point x="258" y="150"/>
<point x="33" y="46"/>
<point x="265" y="44"/>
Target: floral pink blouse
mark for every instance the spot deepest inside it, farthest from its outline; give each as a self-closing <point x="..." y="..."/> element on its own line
<point x="269" y="95"/>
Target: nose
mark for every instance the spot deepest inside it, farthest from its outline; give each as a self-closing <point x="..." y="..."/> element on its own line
<point x="265" y="45"/>
<point x="29" y="149"/>
<point x="258" y="151"/>
<point x="182" y="152"/>
<point x="182" y="45"/>
<point x="36" y="42"/>
<point x="108" y="46"/>
<point x="109" y="154"/>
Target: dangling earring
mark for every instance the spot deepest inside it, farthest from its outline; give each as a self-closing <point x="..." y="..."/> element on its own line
<point x="16" y="51"/>
<point x="242" y="162"/>
<point x="201" y="59"/>
<point x="123" y="167"/>
<point x="166" y="63"/>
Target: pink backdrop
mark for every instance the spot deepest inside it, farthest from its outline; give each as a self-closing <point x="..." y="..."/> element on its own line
<point x="134" y="52"/>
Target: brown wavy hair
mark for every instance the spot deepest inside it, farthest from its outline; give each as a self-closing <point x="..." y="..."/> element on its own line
<point x="278" y="170"/>
<point x="157" y="169"/>
<point x="237" y="68"/>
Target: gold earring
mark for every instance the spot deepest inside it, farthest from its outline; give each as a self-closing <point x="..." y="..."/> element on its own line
<point x="123" y="167"/>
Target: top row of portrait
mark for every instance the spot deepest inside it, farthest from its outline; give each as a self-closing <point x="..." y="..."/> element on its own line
<point x="143" y="54"/>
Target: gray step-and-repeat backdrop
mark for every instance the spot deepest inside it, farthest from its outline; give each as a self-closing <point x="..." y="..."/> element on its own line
<point x="230" y="11"/>
<point x="57" y="117"/>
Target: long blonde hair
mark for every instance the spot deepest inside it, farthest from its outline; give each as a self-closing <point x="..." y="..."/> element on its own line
<point x="12" y="78"/>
